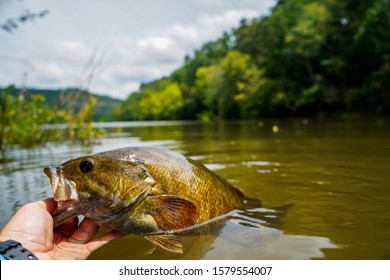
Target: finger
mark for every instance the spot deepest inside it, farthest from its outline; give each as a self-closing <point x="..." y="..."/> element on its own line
<point x="75" y="241"/>
<point x="86" y="231"/>
<point x="103" y="240"/>
<point x="69" y="227"/>
<point x="50" y="204"/>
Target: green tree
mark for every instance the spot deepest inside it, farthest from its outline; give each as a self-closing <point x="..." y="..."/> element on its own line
<point x="370" y="57"/>
<point x="305" y="38"/>
<point x="129" y="109"/>
<point x="207" y="88"/>
<point x="161" y="103"/>
<point x="229" y="88"/>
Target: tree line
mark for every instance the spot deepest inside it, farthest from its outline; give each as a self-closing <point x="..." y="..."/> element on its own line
<point x="305" y="57"/>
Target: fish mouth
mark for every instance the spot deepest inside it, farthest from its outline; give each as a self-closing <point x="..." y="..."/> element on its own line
<point x="62" y="187"/>
<point x="65" y="194"/>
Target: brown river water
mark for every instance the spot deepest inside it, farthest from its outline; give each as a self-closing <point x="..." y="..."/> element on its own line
<point x="324" y="185"/>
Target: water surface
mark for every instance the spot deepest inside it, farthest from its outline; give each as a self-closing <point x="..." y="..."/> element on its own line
<point x="334" y="173"/>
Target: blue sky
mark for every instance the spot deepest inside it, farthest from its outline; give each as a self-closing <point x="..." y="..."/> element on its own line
<point x="110" y="47"/>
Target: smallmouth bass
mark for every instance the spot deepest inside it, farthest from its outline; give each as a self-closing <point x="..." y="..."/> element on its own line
<point x="149" y="191"/>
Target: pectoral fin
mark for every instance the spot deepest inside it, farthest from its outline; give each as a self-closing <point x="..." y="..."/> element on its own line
<point x="173" y="212"/>
<point x="168" y="242"/>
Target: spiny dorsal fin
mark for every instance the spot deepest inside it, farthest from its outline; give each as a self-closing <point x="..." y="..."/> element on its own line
<point x="173" y="212"/>
<point x="168" y="242"/>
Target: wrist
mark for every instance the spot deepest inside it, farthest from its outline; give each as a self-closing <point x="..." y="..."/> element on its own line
<point x="2" y="237"/>
<point x="13" y="250"/>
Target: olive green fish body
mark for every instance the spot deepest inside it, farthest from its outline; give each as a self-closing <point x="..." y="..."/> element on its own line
<point x="177" y="175"/>
<point x="142" y="190"/>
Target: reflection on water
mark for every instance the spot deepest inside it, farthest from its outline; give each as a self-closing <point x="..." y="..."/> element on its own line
<point x="335" y="173"/>
<point x="251" y="234"/>
<point x="247" y="237"/>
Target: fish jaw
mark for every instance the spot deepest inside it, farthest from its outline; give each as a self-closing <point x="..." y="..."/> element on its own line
<point x="64" y="192"/>
<point x="63" y="189"/>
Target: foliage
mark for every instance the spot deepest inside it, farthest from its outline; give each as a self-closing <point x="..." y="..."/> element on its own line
<point x="160" y="100"/>
<point x="23" y="120"/>
<point x="20" y="121"/>
<point x="80" y="126"/>
<point x="227" y="88"/>
<point x="305" y="57"/>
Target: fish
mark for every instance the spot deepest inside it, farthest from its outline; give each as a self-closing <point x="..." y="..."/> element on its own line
<point x="149" y="191"/>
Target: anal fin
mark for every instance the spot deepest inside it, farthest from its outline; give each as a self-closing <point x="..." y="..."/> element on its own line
<point x="168" y="242"/>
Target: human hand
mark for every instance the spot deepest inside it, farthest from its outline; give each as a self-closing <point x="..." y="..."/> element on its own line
<point x="32" y="226"/>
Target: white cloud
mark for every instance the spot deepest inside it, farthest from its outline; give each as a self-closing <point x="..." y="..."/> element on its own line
<point x="48" y="74"/>
<point x="158" y="43"/>
<point x="51" y="70"/>
<point x="226" y="20"/>
<point x="11" y="54"/>
<point x="73" y="50"/>
<point x="206" y="27"/>
<point x="115" y="89"/>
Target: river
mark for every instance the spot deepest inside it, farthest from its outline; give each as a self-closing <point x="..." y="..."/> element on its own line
<point x="324" y="185"/>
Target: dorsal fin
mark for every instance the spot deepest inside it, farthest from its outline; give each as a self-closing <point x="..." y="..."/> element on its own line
<point x="168" y="242"/>
<point x="173" y="212"/>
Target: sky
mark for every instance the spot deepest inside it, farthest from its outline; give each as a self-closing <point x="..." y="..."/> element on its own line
<point x="109" y="47"/>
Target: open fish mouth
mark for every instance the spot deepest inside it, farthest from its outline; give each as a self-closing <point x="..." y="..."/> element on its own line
<point x="63" y="189"/>
<point x="65" y="194"/>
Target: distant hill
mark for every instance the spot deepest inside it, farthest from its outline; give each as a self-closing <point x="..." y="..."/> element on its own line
<point x="73" y="99"/>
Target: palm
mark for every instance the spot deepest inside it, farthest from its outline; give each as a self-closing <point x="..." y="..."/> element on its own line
<point x="32" y="226"/>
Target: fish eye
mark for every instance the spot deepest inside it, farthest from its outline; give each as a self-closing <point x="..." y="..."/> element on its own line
<point x="86" y="165"/>
<point x="143" y="175"/>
